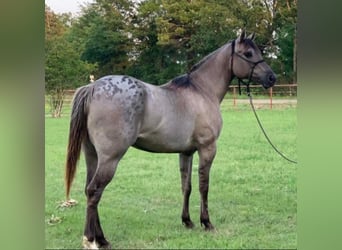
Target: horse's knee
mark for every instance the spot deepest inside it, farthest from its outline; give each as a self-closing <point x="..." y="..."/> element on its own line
<point x="90" y="191"/>
<point x="93" y="195"/>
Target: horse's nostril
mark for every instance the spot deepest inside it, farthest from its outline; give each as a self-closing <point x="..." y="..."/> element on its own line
<point x="271" y="78"/>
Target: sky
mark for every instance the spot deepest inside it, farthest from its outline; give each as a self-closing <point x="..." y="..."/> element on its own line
<point x="63" y="6"/>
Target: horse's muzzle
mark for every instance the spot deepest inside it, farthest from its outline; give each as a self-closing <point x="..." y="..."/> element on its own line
<point x="269" y="80"/>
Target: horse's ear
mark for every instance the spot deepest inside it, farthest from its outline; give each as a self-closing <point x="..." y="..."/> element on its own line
<point x="251" y="36"/>
<point x="242" y="36"/>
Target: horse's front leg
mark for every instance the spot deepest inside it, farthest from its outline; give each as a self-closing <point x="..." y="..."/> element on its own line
<point x="206" y="157"/>
<point x="185" y="162"/>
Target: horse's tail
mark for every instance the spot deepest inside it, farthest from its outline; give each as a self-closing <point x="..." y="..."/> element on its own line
<point x="77" y="133"/>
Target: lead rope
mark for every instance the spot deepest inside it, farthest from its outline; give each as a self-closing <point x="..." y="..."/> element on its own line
<point x="251" y="101"/>
<point x="263" y="130"/>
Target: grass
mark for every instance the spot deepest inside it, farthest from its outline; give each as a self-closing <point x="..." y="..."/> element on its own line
<point x="252" y="197"/>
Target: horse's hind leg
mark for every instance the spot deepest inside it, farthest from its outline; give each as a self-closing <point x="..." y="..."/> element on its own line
<point x="91" y="162"/>
<point x="93" y="234"/>
<point x="109" y="145"/>
<point x="185" y="162"/>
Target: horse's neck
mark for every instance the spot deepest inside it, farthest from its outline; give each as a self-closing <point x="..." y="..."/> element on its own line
<point x="214" y="75"/>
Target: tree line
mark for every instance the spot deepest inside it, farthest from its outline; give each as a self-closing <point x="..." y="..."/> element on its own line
<point x="156" y="40"/>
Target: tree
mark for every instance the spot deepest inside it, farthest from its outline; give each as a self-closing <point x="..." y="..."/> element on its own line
<point x="156" y="40"/>
<point x="274" y="22"/>
<point x="63" y="67"/>
<point x="152" y="61"/>
<point x="216" y="22"/>
<point x="285" y="23"/>
<point x="103" y="29"/>
<point x="177" y="34"/>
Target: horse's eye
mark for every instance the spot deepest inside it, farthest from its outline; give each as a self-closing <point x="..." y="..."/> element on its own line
<point x="248" y="54"/>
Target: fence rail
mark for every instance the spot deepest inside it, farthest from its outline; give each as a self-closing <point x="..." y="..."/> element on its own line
<point x="282" y="90"/>
<point x="287" y="94"/>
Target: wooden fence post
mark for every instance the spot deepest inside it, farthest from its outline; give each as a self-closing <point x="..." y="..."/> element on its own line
<point x="271" y="94"/>
<point x="234" y="96"/>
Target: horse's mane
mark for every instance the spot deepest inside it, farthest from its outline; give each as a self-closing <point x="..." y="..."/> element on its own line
<point x="185" y="80"/>
<point x="202" y="61"/>
<point x="246" y="41"/>
<point x="181" y="81"/>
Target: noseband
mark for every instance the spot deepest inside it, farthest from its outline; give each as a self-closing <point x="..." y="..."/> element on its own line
<point x="254" y="64"/>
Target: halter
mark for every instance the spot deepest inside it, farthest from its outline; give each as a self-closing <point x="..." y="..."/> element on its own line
<point x="254" y="64"/>
<point x="250" y="96"/>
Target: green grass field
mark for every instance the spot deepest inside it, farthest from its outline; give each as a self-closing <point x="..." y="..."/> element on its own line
<point x="252" y="197"/>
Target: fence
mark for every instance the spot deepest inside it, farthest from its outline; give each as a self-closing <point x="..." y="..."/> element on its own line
<point x="284" y="94"/>
<point x="288" y="92"/>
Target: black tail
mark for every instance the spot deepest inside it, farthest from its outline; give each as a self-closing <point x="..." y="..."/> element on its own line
<point x="77" y="133"/>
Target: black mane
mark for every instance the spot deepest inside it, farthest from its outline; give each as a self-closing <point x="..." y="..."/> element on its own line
<point x="182" y="81"/>
<point x="203" y="60"/>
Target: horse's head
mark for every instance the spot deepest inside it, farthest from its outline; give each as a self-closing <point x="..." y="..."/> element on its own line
<point x="247" y="62"/>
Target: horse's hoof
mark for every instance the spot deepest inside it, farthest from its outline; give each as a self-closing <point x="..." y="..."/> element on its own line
<point x="207" y="225"/>
<point x="188" y="223"/>
<point x="101" y="244"/>
<point x="89" y="244"/>
<point x="104" y="244"/>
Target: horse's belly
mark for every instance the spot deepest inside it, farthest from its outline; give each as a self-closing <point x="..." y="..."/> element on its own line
<point x="167" y="125"/>
<point x="160" y="143"/>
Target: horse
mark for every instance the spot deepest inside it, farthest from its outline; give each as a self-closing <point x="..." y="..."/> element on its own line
<point x="182" y="116"/>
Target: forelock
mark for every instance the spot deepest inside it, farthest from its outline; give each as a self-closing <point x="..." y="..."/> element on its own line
<point x="250" y="43"/>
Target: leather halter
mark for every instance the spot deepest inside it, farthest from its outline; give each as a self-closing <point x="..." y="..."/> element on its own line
<point x="254" y="64"/>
